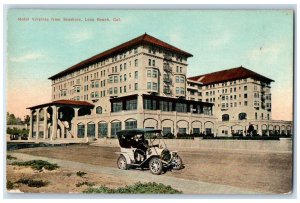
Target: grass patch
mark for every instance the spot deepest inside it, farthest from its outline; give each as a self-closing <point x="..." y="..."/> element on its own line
<point x="10" y="157"/>
<point x="37" y="165"/>
<point x="32" y="183"/>
<point x="137" y="188"/>
<point x="80" y="173"/>
<point x="9" y="185"/>
<point x="90" y="184"/>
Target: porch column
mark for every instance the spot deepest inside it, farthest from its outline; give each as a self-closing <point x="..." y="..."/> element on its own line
<point x="45" y="123"/>
<point x="96" y="130"/>
<point x="109" y="129"/>
<point x="37" y="124"/>
<point x="30" y="125"/>
<point x="75" y="122"/>
<point x="54" y="122"/>
<point x="140" y="103"/>
<point x="85" y="130"/>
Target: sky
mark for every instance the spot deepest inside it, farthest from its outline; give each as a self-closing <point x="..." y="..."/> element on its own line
<point x="260" y="40"/>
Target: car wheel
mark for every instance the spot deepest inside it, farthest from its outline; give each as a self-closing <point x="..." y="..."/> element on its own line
<point x="122" y="164"/>
<point x="177" y="163"/>
<point x="155" y="166"/>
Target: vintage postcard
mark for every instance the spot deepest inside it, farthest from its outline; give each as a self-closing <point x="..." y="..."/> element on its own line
<point x="149" y="101"/>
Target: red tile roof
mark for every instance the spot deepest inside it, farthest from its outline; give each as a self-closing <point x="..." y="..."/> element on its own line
<point x="143" y="39"/>
<point x="229" y="75"/>
<point x="64" y="102"/>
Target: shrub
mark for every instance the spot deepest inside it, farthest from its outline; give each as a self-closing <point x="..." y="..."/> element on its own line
<point x="90" y="184"/>
<point x="185" y="136"/>
<point x="10" y="157"/>
<point x="32" y="183"/>
<point x="81" y="173"/>
<point x="138" y="188"/>
<point x="9" y="185"/>
<point x="37" y="165"/>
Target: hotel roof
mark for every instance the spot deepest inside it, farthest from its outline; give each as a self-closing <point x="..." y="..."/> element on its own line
<point x="229" y="75"/>
<point x="143" y="39"/>
<point x="64" y="102"/>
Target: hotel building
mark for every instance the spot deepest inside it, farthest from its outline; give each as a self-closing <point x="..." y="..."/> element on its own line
<point x="142" y="83"/>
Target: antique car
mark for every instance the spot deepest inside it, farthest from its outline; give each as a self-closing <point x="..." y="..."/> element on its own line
<point x="138" y="150"/>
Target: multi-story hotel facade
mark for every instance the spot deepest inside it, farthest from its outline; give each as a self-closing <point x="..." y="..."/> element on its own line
<point x="142" y="83"/>
<point x="138" y="84"/>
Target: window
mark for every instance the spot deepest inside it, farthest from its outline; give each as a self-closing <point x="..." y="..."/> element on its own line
<point x="165" y="106"/>
<point x="115" y="127"/>
<point x="136" y="62"/>
<point x="120" y="78"/>
<point x="131" y="104"/>
<point x="255" y="115"/>
<point x="196" y="131"/>
<point x="245" y="103"/>
<point x="125" y="77"/>
<point x="117" y="106"/>
<point x="154" y="86"/>
<point x="149" y="85"/>
<point x="124" y="88"/>
<point x="245" y="96"/>
<point x="245" y="88"/>
<point x="154" y="73"/>
<point x="242" y="116"/>
<point x="121" y="67"/>
<point x="115" y="90"/>
<point x="149" y="104"/>
<point x="182" y="131"/>
<point x="102" y="129"/>
<point x="182" y="79"/>
<point x="180" y="69"/>
<point x="91" y="129"/>
<point x="99" y="110"/>
<point x="115" y="79"/>
<point x="131" y="124"/>
<point x="136" y="75"/>
<point x="180" y="107"/>
<point x="177" y="79"/>
<point x="135" y="86"/>
<point x="167" y="130"/>
<point x="153" y="62"/>
<point x="80" y="130"/>
<point x="120" y="90"/>
<point x="225" y="117"/>
<point x="177" y="90"/>
<point x="149" y="73"/>
<point x="149" y="62"/>
<point x="182" y="90"/>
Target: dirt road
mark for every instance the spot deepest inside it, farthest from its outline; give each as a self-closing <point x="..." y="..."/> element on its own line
<point x="254" y="171"/>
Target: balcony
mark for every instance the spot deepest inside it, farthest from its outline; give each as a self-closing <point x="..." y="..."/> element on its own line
<point x="193" y="88"/>
<point x="167" y="68"/>
<point x="167" y="91"/>
<point x="167" y="80"/>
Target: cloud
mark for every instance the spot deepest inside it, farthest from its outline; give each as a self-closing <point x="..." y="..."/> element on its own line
<point x="80" y="36"/>
<point x="27" y="57"/>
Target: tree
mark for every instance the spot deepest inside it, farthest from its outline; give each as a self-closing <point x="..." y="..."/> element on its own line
<point x="27" y="119"/>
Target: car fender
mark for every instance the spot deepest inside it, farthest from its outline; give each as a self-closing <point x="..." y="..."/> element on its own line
<point x="127" y="157"/>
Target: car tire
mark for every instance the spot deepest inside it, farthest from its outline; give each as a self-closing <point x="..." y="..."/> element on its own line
<point x="121" y="163"/>
<point x="177" y="163"/>
<point x="155" y="166"/>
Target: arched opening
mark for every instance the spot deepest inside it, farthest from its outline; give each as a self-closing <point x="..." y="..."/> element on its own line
<point x="196" y="128"/>
<point x="102" y="129"/>
<point x="130" y="123"/>
<point x="91" y="129"/>
<point x="225" y="117"/>
<point x="116" y="126"/>
<point x="80" y="130"/>
<point x="99" y="110"/>
<point x="150" y="123"/>
<point x="209" y="127"/>
<point x="242" y="116"/>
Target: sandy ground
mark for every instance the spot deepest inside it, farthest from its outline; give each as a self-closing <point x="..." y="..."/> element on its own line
<point x="258" y="171"/>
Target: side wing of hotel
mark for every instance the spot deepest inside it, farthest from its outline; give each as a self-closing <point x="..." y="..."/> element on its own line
<point x="142" y="83"/>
